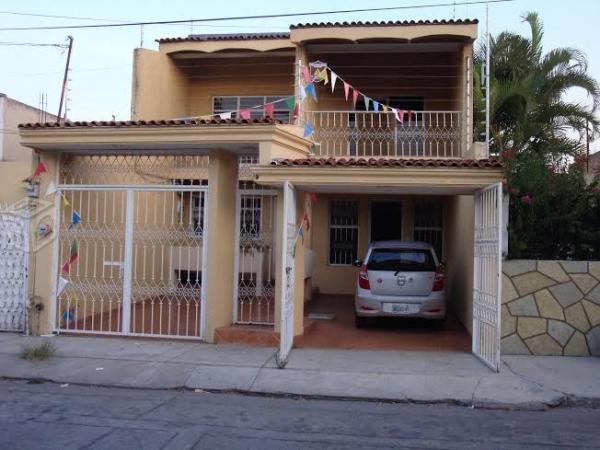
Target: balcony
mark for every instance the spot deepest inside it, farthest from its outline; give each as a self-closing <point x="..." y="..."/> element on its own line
<point x="421" y="134"/>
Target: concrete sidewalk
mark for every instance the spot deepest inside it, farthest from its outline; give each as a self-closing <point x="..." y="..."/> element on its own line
<point x="427" y="377"/>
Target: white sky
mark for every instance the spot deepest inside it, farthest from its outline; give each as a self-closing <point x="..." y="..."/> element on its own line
<point x="102" y="58"/>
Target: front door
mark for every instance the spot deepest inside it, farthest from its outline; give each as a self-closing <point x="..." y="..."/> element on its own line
<point x="487" y="285"/>
<point x="386" y="221"/>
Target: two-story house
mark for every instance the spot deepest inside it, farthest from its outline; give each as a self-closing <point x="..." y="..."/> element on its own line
<point x="256" y="169"/>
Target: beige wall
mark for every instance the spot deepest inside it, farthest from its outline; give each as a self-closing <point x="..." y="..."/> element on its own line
<point x="159" y="88"/>
<point x="13" y="113"/>
<point x="459" y="256"/>
<point x="12" y="175"/>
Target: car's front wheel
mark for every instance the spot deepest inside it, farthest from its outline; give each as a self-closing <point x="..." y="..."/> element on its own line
<point x="359" y="321"/>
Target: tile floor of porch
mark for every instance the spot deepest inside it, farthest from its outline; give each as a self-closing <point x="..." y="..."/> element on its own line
<point x="382" y="334"/>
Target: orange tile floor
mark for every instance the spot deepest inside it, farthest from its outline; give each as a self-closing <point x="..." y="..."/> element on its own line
<point x="382" y="334"/>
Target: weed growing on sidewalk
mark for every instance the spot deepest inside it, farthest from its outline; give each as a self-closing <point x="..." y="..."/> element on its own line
<point x="38" y="352"/>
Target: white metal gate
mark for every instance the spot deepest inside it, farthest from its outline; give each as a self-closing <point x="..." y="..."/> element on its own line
<point x="287" y="273"/>
<point x="131" y="248"/>
<point x="487" y="284"/>
<point x="254" y="293"/>
<point x="14" y="257"/>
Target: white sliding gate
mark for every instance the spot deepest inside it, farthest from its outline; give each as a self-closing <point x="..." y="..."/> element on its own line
<point x="138" y="252"/>
<point x="487" y="283"/>
<point x="287" y="274"/>
<point x="14" y="257"/>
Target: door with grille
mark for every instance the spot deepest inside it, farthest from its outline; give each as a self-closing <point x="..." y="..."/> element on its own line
<point x="487" y="285"/>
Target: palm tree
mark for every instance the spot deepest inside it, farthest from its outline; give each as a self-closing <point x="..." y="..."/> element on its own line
<point x="529" y="111"/>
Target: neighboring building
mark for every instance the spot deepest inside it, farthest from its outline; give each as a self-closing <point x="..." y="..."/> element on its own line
<point x="190" y="222"/>
<point x="592" y="169"/>
<point x="15" y="159"/>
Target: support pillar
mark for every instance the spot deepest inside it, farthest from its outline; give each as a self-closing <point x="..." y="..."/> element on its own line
<point x="221" y="252"/>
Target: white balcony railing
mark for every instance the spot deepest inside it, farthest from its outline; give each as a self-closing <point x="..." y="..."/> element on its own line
<point x="425" y="134"/>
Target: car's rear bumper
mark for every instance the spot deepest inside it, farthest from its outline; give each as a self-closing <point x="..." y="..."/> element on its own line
<point x="430" y="307"/>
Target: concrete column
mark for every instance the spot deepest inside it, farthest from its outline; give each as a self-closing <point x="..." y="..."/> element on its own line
<point x="219" y="276"/>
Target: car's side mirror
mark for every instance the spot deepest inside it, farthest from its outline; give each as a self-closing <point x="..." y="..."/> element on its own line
<point x="357" y="263"/>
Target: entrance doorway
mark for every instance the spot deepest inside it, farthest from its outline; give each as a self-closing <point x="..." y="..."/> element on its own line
<point x="386" y="220"/>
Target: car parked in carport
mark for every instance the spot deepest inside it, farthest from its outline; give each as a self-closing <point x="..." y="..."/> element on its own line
<point x="400" y="278"/>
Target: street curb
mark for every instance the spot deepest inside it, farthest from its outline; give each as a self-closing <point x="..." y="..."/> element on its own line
<point x="567" y="401"/>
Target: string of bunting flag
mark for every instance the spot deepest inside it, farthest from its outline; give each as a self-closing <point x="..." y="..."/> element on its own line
<point x="310" y="200"/>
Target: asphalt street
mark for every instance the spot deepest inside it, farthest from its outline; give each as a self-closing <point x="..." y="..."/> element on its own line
<point x="52" y="416"/>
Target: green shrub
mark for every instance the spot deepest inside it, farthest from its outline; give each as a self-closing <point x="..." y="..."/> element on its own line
<point x="38" y="352"/>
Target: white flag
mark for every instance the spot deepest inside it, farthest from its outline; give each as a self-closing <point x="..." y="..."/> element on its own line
<point x="51" y="189"/>
<point x="62" y="284"/>
<point x="333" y="79"/>
<point x="225" y="115"/>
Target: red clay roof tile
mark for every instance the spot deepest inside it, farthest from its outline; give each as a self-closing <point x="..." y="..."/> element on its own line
<point x="389" y="23"/>
<point x="389" y="162"/>
<point x="226" y="37"/>
<point x="148" y="123"/>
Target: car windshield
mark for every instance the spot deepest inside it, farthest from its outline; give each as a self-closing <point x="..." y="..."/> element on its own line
<point x="401" y="259"/>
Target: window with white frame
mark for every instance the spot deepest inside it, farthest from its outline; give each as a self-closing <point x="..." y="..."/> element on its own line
<point x="343" y="232"/>
<point x="233" y="104"/>
<point x="429" y="224"/>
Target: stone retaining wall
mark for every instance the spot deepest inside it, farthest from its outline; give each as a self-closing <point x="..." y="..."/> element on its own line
<point x="551" y="308"/>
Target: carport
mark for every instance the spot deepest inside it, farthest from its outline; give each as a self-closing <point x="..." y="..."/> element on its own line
<point x="318" y="276"/>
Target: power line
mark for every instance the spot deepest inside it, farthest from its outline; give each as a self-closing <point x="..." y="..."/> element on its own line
<point x="31" y="44"/>
<point x="52" y="16"/>
<point x="262" y="16"/>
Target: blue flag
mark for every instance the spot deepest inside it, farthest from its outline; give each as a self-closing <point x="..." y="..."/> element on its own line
<point x="310" y="90"/>
<point x="75" y="219"/>
<point x="308" y="129"/>
<point x="375" y="105"/>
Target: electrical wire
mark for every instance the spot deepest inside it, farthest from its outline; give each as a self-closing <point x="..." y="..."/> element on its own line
<point x="259" y="16"/>
<point x="32" y="44"/>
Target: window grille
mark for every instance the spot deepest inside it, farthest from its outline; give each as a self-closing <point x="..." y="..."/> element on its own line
<point x="235" y="103"/>
<point x="343" y="232"/>
<point x="429" y="224"/>
<point x="250" y="214"/>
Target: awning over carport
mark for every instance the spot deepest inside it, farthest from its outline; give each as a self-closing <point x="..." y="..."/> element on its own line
<point x="383" y="175"/>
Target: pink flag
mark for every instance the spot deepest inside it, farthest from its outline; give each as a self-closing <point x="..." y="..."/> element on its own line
<point x="306" y="74"/>
<point x="410" y="115"/>
<point x="269" y="109"/>
<point x="245" y="114"/>
<point x="354" y="97"/>
<point x="346" y="89"/>
<point x="40" y="169"/>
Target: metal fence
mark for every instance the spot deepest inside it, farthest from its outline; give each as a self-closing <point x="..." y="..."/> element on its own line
<point x="421" y="134"/>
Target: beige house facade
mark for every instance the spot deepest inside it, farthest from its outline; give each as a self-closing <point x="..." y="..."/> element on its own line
<point x="209" y="216"/>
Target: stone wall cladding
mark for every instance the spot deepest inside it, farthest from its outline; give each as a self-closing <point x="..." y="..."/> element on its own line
<point x="551" y="308"/>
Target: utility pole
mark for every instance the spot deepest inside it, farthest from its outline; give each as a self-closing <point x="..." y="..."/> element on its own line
<point x="587" y="146"/>
<point x="487" y="80"/>
<point x="64" y="84"/>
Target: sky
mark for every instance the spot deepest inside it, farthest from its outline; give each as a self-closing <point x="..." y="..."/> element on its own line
<point x="100" y="85"/>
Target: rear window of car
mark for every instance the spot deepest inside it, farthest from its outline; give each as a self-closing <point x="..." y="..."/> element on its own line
<point x="401" y="259"/>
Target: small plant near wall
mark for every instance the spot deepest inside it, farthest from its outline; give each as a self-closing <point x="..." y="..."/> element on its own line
<point x="38" y="352"/>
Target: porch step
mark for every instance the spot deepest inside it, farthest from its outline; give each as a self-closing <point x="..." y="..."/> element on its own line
<point x="253" y="335"/>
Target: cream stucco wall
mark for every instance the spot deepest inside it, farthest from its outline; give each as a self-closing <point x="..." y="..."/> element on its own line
<point x="222" y="182"/>
<point x="12" y="174"/>
<point x="459" y="255"/>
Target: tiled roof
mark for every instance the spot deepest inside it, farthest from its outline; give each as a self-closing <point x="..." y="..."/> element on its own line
<point x="226" y="37"/>
<point x="389" y="23"/>
<point x="389" y="162"/>
<point x="148" y="123"/>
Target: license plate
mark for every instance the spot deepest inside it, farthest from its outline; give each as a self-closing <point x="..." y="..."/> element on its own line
<point x="400" y="308"/>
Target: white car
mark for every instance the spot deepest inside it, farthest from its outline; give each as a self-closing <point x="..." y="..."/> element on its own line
<point x="400" y="278"/>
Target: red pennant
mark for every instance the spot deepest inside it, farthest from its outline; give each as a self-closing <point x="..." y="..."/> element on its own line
<point x="313" y="197"/>
<point x="65" y="268"/>
<point x="245" y="114"/>
<point x="295" y="112"/>
<point x="410" y="115"/>
<point x="73" y="258"/>
<point x="269" y="110"/>
<point x="355" y="94"/>
<point x="346" y="89"/>
<point x="40" y="169"/>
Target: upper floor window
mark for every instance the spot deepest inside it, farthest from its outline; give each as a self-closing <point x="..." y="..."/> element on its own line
<point x="233" y="104"/>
